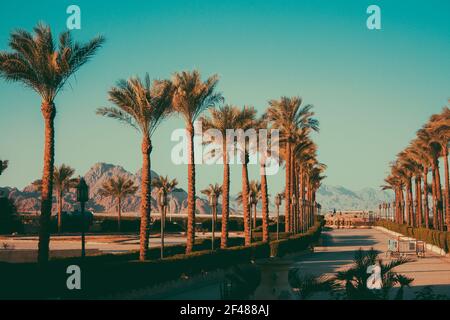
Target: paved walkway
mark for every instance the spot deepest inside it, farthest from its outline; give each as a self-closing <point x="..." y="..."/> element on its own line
<point x="339" y="245"/>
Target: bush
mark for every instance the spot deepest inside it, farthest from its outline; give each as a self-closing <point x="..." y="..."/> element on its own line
<point x="111" y="274"/>
<point x="9" y="221"/>
<point x="438" y="238"/>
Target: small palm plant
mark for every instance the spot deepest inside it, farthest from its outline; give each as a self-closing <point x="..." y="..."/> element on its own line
<point x="3" y="166"/>
<point x="43" y="66"/>
<point x="352" y="283"/>
<point x="63" y="182"/>
<point x="118" y="189"/>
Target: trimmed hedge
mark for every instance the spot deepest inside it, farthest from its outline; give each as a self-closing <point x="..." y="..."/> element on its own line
<point x="438" y="238"/>
<point x="111" y="274"/>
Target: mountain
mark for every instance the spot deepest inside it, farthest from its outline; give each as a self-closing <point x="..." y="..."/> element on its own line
<point x="340" y="198"/>
<point x="330" y="197"/>
<point x="28" y="199"/>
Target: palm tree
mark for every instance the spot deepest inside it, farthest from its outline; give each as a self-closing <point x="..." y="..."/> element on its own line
<point x="3" y="166"/>
<point x="63" y="181"/>
<point x="191" y="97"/>
<point x="254" y="195"/>
<point x="248" y="121"/>
<point x="351" y="283"/>
<point x="439" y="128"/>
<point x="45" y="68"/>
<point x="141" y="105"/>
<point x="213" y="191"/>
<point x="164" y="187"/>
<point x="288" y="116"/>
<point x="222" y="119"/>
<point x="428" y="141"/>
<point x="164" y="184"/>
<point x="118" y="189"/>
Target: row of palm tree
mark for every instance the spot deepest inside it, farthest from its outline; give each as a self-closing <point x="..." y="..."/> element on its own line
<point x="40" y="64"/>
<point x="410" y="176"/>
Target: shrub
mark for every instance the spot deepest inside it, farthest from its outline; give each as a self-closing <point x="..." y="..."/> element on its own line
<point x="438" y="238"/>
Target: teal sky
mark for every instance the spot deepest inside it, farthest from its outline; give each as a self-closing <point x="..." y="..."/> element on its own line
<point x="371" y="89"/>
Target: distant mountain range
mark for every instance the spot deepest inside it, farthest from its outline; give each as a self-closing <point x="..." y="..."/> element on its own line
<point x="330" y="197"/>
<point x="340" y="198"/>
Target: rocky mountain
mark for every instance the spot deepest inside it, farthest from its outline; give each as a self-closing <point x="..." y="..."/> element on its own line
<point x="330" y="197"/>
<point x="27" y="200"/>
<point x="340" y="198"/>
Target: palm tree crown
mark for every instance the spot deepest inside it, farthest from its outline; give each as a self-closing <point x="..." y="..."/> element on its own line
<point x="40" y="64"/>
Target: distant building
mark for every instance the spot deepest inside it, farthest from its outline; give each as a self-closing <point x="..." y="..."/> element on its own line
<point x="349" y="219"/>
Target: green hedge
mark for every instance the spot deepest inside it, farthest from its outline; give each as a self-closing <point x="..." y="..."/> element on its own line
<point x="109" y="274"/>
<point x="438" y="238"/>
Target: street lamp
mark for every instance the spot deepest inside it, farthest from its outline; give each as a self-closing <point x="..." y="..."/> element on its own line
<point x="294" y="216"/>
<point x="82" y="198"/>
<point x="163" y="204"/>
<point x="304" y="213"/>
<point x="213" y="204"/>
<point x="278" y="200"/>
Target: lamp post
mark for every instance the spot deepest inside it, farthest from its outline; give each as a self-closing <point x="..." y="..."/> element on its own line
<point x="82" y="198"/>
<point x="277" y="204"/>
<point x="213" y="204"/>
<point x="163" y="204"/>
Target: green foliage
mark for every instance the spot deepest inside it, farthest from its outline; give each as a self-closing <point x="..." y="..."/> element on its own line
<point x="438" y="238"/>
<point x="109" y="274"/>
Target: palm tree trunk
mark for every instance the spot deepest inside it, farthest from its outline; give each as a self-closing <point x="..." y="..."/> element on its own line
<point x="119" y="213"/>
<point x="191" y="192"/>
<point x="434" y="197"/>
<point x="225" y="198"/>
<point x="439" y="199"/>
<point x="287" y="198"/>
<point x="291" y="192"/>
<point x="59" y="192"/>
<point x="447" y="194"/>
<point x="302" y="196"/>
<point x="245" y="206"/>
<point x="265" y="204"/>
<point x="410" y="202"/>
<point x="418" y="191"/>
<point x="145" y="198"/>
<point x="48" y="111"/>
<point x="426" y="210"/>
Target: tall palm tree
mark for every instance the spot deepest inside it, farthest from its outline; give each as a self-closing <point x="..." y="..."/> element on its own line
<point x="141" y="105"/>
<point x="45" y="68"/>
<point x="3" y="166"/>
<point x="439" y="128"/>
<point x="222" y="119"/>
<point x="423" y="157"/>
<point x="266" y="155"/>
<point x="289" y="116"/>
<point x="428" y="141"/>
<point x="191" y="97"/>
<point x="118" y="189"/>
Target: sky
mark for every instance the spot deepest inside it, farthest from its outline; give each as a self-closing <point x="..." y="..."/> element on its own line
<point x="371" y="89"/>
